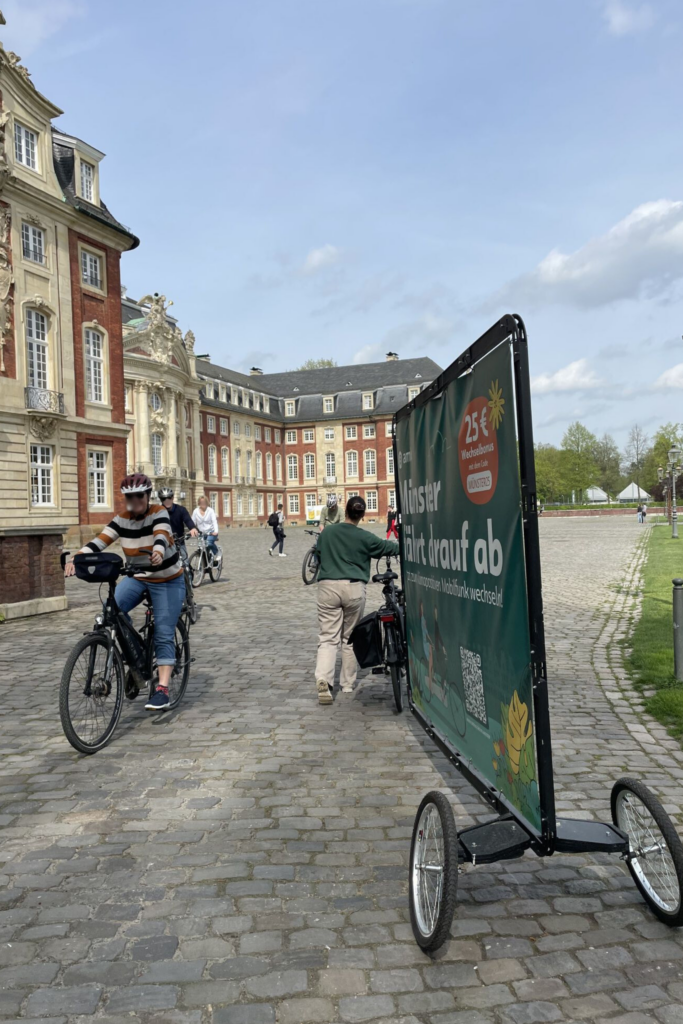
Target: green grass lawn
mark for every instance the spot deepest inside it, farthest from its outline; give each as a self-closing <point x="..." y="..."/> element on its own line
<point x="652" y="658"/>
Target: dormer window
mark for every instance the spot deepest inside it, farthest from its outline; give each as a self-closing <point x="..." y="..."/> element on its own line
<point x="290" y="408"/>
<point x="413" y="393"/>
<point x="368" y="400"/>
<point x="25" y="146"/>
<point x="88" y="181"/>
<point x="328" y="405"/>
<point x="266" y="404"/>
<point x="233" y="396"/>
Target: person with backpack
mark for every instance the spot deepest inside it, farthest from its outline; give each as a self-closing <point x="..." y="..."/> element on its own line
<point x="276" y="520"/>
<point x="345" y="559"/>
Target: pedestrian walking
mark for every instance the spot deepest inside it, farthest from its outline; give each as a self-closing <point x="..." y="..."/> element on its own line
<point x="277" y="521"/>
<point x="331" y="514"/>
<point x="345" y="558"/>
<point x="640" y="513"/>
<point x="391" y="523"/>
<point x="644" y="512"/>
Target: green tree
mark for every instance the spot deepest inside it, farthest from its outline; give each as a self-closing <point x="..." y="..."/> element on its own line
<point x="635" y="453"/>
<point x="668" y="435"/>
<point x="608" y="460"/>
<point x="578" y="456"/>
<point x="316" y="364"/>
<point x="550" y="484"/>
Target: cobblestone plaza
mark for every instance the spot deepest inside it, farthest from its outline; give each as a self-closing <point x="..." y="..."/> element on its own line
<point x="243" y="860"/>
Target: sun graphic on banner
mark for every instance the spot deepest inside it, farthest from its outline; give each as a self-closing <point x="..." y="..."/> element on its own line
<point x="496" y="403"/>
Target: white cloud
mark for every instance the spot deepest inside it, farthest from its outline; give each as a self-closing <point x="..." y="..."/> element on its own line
<point x="627" y="19"/>
<point x="319" y="259"/>
<point x="31" y="22"/>
<point x="577" y="376"/>
<point x="640" y="257"/>
<point x="671" y="378"/>
<point x="430" y="329"/>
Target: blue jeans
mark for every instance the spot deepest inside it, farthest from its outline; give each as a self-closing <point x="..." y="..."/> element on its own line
<point x="167" y="602"/>
<point x="211" y="543"/>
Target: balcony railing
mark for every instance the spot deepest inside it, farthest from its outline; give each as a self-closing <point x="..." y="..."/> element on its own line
<point x="239" y="479"/>
<point x="249" y="479"/>
<point x="92" y="279"/>
<point x="330" y="479"/>
<point x="35" y="255"/>
<point x="44" y="401"/>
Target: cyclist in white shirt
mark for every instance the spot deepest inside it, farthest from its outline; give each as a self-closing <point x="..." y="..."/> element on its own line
<point x="204" y="518"/>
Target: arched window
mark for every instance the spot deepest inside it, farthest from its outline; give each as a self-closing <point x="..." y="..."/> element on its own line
<point x="212" y="460"/>
<point x="269" y="466"/>
<point x="370" y="462"/>
<point x="292" y="467"/>
<point x="309" y="466"/>
<point x="225" y="464"/>
<point x="352" y="464"/>
<point x="36" y="348"/>
<point x="278" y="467"/>
<point x="250" y="456"/>
<point x="330" y="464"/>
<point x="390" y="461"/>
<point x="238" y="463"/>
<point x="259" y="466"/>
<point x="155" y="401"/>
<point x="157" y="448"/>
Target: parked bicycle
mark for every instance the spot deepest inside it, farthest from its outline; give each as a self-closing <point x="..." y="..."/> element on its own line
<point x="190" y="605"/>
<point x="113" y="660"/>
<point x="311" y="566"/>
<point x="204" y="560"/>
<point x="393" y="619"/>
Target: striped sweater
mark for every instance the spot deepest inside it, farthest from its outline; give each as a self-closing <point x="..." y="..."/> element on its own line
<point x="139" y="537"/>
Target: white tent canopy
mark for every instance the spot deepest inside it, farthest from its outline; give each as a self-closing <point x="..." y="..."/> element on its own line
<point x="596" y="494"/>
<point x="633" y="493"/>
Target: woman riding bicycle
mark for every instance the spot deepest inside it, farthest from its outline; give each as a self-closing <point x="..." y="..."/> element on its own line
<point x="204" y="518"/>
<point x="144" y="531"/>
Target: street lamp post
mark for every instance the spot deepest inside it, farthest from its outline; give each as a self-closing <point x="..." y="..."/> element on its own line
<point x="674" y="469"/>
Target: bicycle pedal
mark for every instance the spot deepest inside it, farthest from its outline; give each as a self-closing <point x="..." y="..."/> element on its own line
<point x="192" y="661"/>
<point x="379" y="671"/>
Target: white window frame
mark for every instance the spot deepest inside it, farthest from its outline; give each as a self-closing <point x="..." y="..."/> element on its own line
<point x="213" y="501"/>
<point x="98" y="478"/>
<point x="247" y="429"/>
<point x="33" y="243"/>
<point x="268" y="435"/>
<point x="368" y="401"/>
<point x="160" y="448"/>
<point x="250" y="504"/>
<point x="309" y="435"/>
<point x="371" y="496"/>
<point x="330" y="461"/>
<point x="309" y="466"/>
<point x="95" y="367"/>
<point x="259" y="465"/>
<point x="388" y="429"/>
<point x="311" y="500"/>
<point x="259" y="505"/>
<point x="391" y="498"/>
<point x="226" y="504"/>
<point x="224" y="426"/>
<point x="329" y="433"/>
<point x="211" y="424"/>
<point x="225" y="463"/>
<point x="233" y="396"/>
<point x="269" y="467"/>
<point x="390" y="461"/>
<point x="290" y="408"/>
<point x="352" y="457"/>
<point x="413" y="393"/>
<point x="88" y="181"/>
<point x="223" y="392"/>
<point x="266" y="403"/>
<point x="240" y="505"/>
<point x="26" y="146"/>
<point x="290" y="437"/>
<point x="42" y="475"/>
<point x="278" y="468"/>
<point x="293" y="504"/>
<point x="90" y="262"/>
<point x="293" y="468"/>
<point x="270" y="503"/>
<point x="369" y="430"/>
<point x="37" y="350"/>
<point x="369" y="456"/>
<point x="236" y="428"/>
<point x="157" y="404"/>
<point x="257" y="432"/>
<point x="328" y="404"/>
<point x="250" y="461"/>
<point x="212" y="460"/>
<point x="277" y="437"/>
<point x="352" y="433"/>
<point x="238" y="463"/>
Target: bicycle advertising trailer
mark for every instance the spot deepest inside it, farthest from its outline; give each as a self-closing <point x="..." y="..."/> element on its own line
<point x="476" y="673"/>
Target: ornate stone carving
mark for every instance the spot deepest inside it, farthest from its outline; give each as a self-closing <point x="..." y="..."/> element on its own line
<point x="156" y="330"/>
<point x="6" y="281"/>
<point x="42" y="427"/>
<point x="189" y="342"/>
<point x="5" y="168"/>
<point x="11" y="60"/>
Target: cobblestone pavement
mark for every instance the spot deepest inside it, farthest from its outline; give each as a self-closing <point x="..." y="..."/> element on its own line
<point x="243" y="860"/>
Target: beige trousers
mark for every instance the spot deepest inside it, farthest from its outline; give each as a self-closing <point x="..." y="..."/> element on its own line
<point x="340" y="606"/>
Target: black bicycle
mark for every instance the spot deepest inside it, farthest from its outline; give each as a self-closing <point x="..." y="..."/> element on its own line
<point x="393" y="618"/>
<point x="113" y="659"/>
<point x="311" y="566"/>
<point x="190" y="605"/>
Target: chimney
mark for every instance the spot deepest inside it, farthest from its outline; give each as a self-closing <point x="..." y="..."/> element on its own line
<point x="392" y="357"/>
<point x="205" y="356"/>
<point x="256" y="371"/>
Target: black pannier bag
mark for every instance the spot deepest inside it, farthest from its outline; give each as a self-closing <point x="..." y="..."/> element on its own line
<point x="366" y="640"/>
<point x="99" y="567"/>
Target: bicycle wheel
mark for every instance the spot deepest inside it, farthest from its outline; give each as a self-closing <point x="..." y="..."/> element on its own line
<point x="391" y="655"/>
<point x="309" y="570"/>
<point x="655" y="857"/>
<point x="397" y="686"/>
<point x="197" y="568"/>
<point x="433" y="872"/>
<point x="90" y="704"/>
<point x="456" y="706"/>
<point x="216" y="567"/>
<point x="190" y="603"/>
<point x="181" y="669"/>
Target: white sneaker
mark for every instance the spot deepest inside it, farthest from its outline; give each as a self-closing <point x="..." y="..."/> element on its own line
<point x="282" y="554"/>
<point x="270" y="552"/>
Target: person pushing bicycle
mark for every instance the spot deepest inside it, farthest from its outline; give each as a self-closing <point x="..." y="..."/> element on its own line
<point x="144" y="530"/>
<point x="331" y="514"/>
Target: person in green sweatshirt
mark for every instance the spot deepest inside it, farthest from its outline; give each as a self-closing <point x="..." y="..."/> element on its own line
<point x="345" y="559"/>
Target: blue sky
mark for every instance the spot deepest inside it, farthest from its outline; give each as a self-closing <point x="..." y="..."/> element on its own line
<point x="345" y="177"/>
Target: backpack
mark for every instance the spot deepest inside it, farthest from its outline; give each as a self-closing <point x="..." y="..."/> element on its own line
<point x="273" y="519"/>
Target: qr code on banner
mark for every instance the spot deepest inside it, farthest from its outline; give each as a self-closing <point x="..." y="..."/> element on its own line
<point x="473" y="680"/>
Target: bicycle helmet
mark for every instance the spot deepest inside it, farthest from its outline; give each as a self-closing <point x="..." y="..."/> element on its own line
<point x="331" y="500"/>
<point x="165" y="493"/>
<point x="136" y="483"/>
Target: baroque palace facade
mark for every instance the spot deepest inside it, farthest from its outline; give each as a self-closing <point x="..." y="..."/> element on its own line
<point x="62" y="419"/>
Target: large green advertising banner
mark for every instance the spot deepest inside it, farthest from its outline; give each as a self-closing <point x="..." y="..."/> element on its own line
<point x="465" y="580"/>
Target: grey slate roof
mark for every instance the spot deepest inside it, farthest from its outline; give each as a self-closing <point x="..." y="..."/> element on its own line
<point x="64" y="163"/>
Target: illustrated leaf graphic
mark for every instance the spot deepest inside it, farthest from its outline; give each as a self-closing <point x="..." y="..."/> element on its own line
<point x="518" y="731"/>
<point x="527" y="767"/>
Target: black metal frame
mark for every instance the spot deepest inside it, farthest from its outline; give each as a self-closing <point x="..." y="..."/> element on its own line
<point x="574" y="835"/>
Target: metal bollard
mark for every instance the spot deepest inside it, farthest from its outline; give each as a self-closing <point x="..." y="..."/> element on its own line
<point x="678" y="627"/>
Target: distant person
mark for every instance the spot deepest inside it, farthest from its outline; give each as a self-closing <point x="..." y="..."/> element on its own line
<point x="277" y="521"/>
<point x="345" y="558"/>
<point x="331" y="514"/>
<point x="391" y="523"/>
<point x="640" y="513"/>
<point x="204" y="519"/>
<point x="180" y="519"/>
<point x="644" y="512"/>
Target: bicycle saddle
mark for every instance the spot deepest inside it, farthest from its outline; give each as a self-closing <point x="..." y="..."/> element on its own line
<point x="384" y="577"/>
